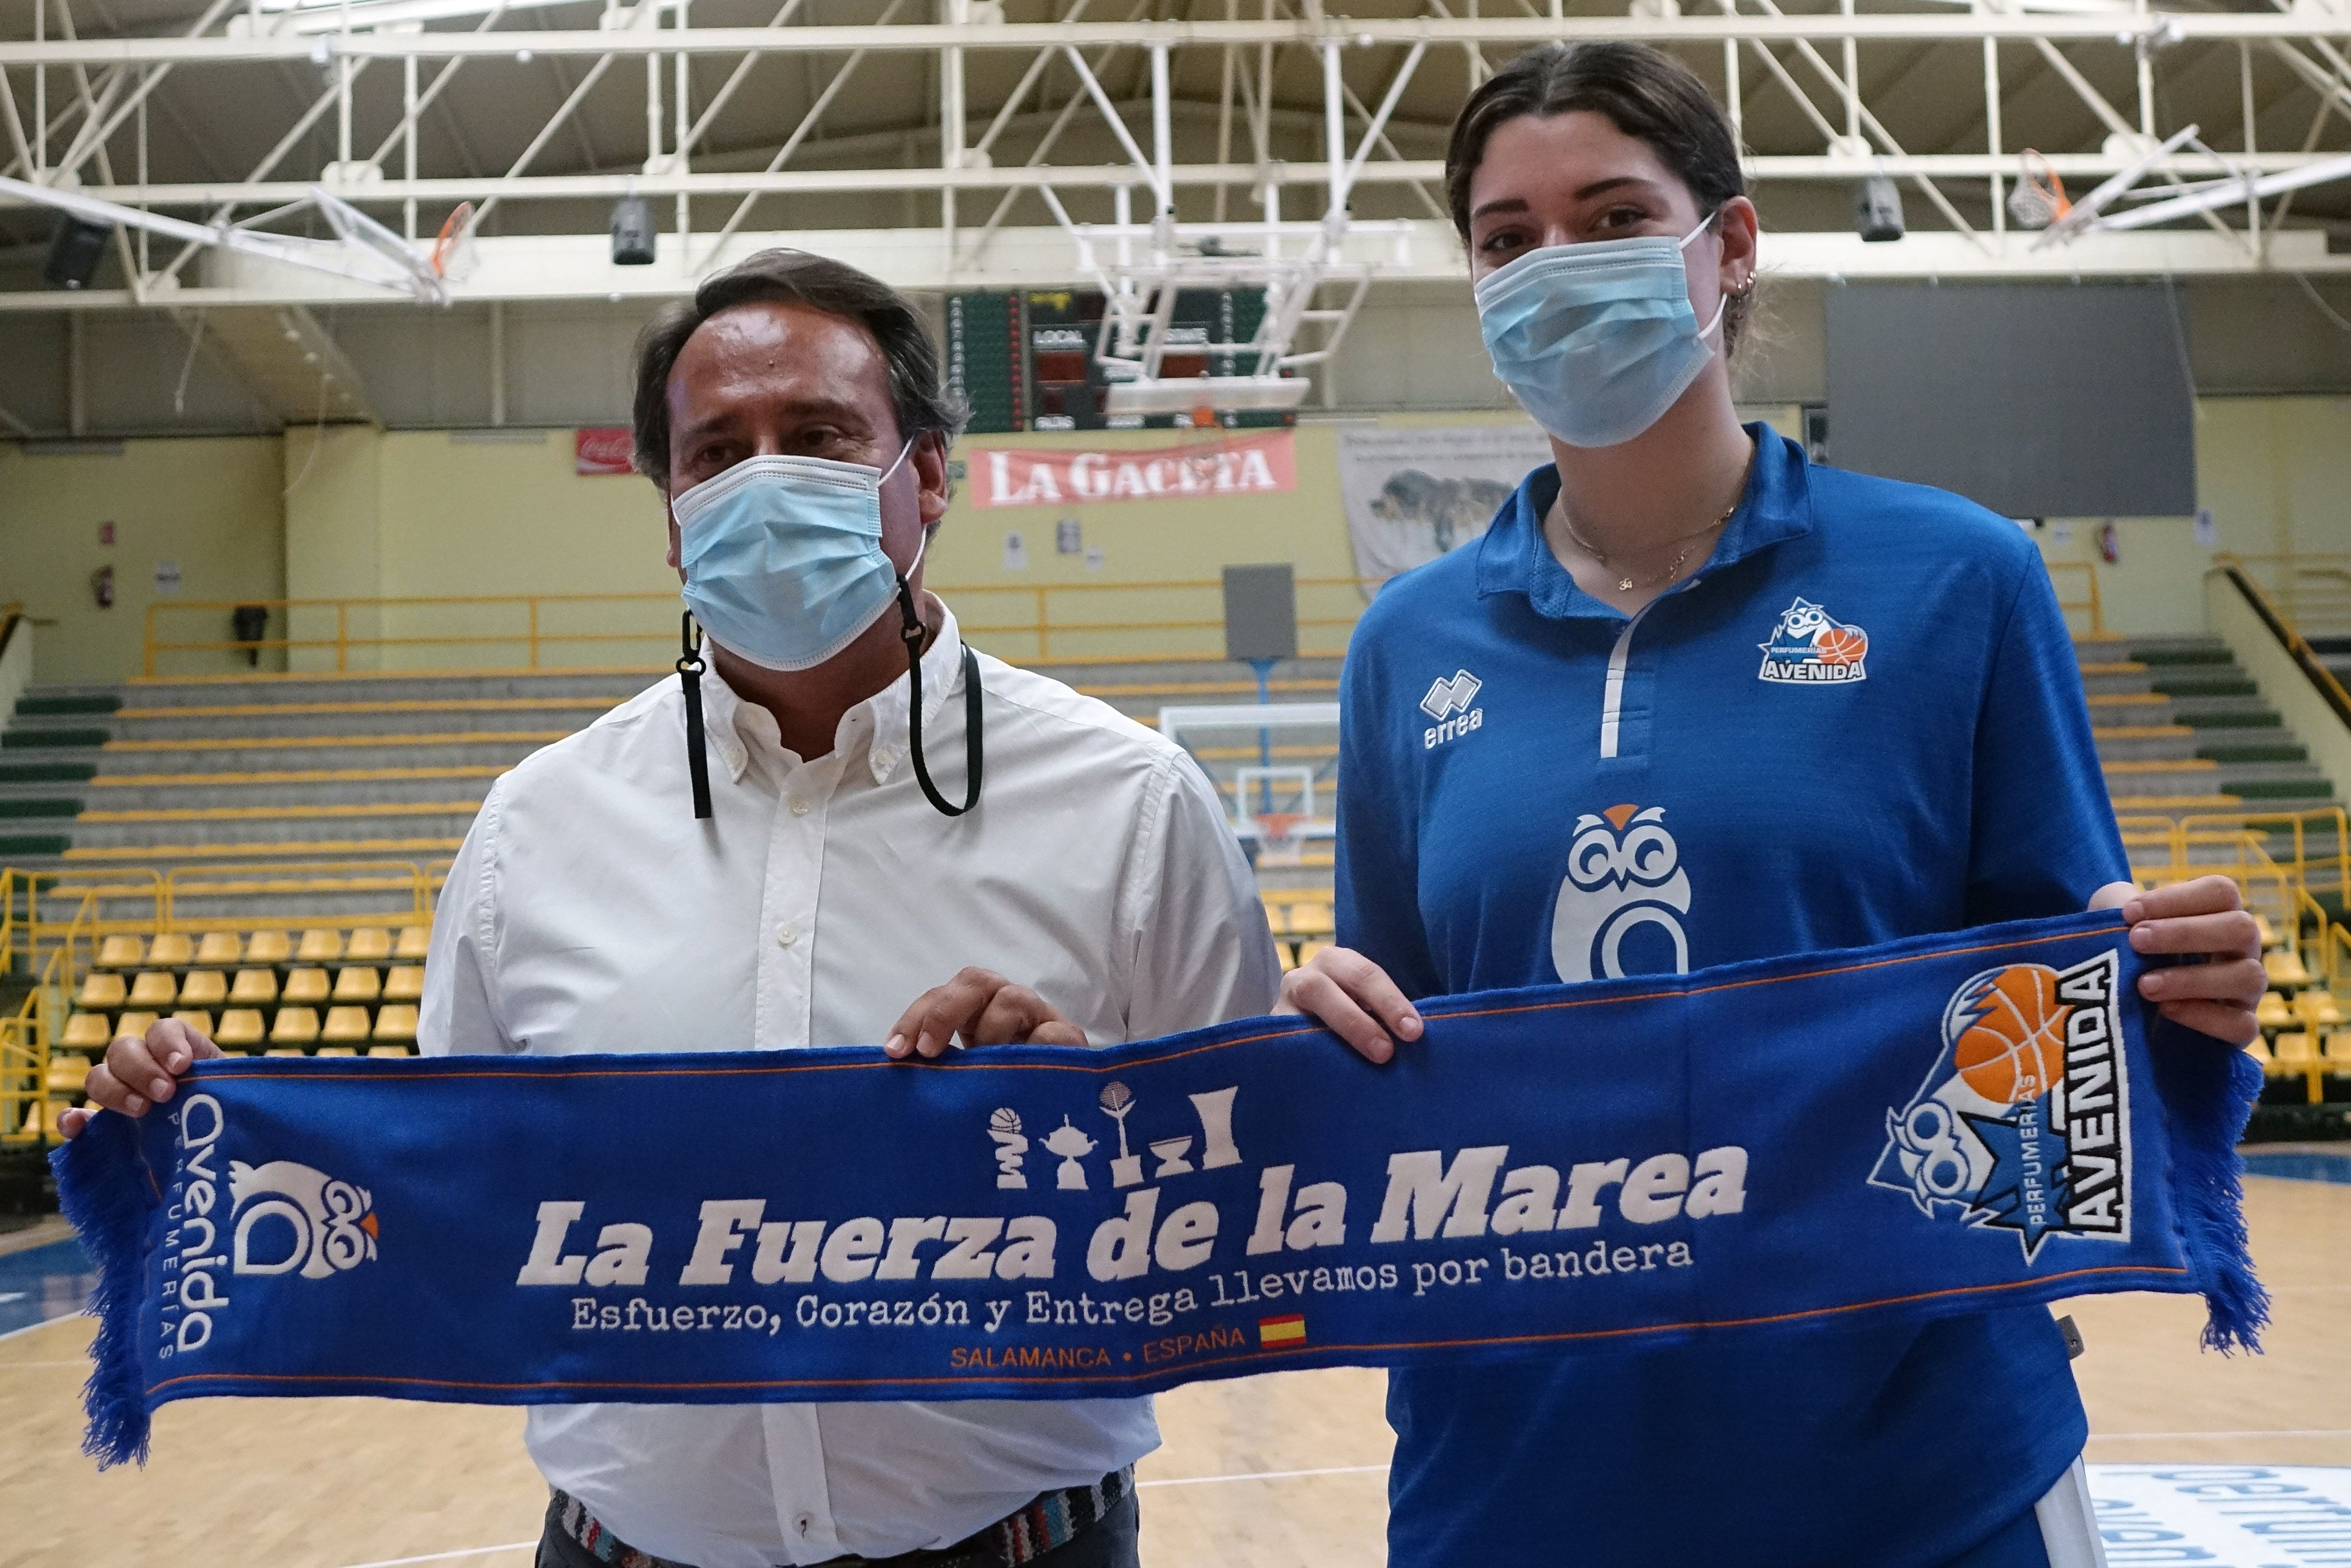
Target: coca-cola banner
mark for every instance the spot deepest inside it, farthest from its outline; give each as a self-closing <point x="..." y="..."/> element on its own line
<point x="604" y="451"/>
<point x="1193" y="470"/>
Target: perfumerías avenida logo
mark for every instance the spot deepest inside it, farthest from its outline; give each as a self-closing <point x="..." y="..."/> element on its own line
<point x="2023" y="1125"/>
<point x="279" y="1217"/>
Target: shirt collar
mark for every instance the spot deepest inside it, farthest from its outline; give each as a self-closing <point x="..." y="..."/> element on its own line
<point x="735" y="726"/>
<point x="1514" y="558"/>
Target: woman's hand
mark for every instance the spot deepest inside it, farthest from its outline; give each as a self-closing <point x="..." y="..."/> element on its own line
<point x="2206" y="918"/>
<point x="138" y="1074"/>
<point x="1353" y="997"/>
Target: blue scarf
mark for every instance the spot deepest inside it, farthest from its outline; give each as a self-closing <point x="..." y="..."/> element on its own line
<point x="1928" y="1127"/>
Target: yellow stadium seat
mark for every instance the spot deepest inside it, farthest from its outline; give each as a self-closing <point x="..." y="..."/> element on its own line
<point x="101" y="992"/>
<point x="2294" y="1051"/>
<point x="345" y="1025"/>
<point x="1289" y="956"/>
<point x="319" y="946"/>
<point x="197" y="1019"/>
<point x="254" y="988"/>
<point x="2268" y="932"/>
<point x="413" y="940"/>
<point x="120" y="952"/>
<point x="295" y="1026"/>
<point x="269" y="947"/>
<point x="134" y="1025"/>
<point x="396" y="1023"/>
<point x="1309" y="919"/>
<point x="335" y="1051"/>
<point x="2273" y="1011"/>
<point x="1306" y="951"/>
<point x="404" y="983"/>
<point x="1276" y="917"/>
<point x="305" y="986"/>
<point x="358" y="983"/>
<point x="172" y="950"/>
<point x="2259" y="1050"/>
<point x="203" y="988"/>
<point x="66" y="1075"/>
<point x="2338" y="1051"/>
<point x="86" y="1032"/>
<point x="369" y="944"/>
<point x="390" y="1051"/>
<point x="285" y="1050"/>
<point x="156" y="990"/>
<point x="2318" y="1009"/>
<point x="239" y="1027"/>
<point x="2285" y="969"/>
<point x="222" y="949"/>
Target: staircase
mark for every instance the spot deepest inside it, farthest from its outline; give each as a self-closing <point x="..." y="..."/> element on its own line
<point x="2183" y="732"/>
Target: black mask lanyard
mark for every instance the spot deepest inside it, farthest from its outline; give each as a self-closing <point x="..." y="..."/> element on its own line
<point x="690" y="669"/>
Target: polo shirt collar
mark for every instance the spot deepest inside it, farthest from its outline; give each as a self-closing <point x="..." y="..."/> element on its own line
<point x="1514" y="558"/>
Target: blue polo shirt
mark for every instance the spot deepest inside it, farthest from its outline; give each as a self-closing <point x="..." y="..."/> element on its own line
<point x="1861" y="719"/>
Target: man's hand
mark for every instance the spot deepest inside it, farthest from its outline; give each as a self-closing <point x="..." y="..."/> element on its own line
<point x="1353" y="997"/>
<point x="2206" y="918"/>
<point x="138" y="1073"/>
<point x="985" y="1008"/>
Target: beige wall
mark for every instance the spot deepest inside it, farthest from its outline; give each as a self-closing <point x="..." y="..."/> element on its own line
<point x="373" y="513"/>
<point x="2275" y="472"/>
<point x="211" y="505"/>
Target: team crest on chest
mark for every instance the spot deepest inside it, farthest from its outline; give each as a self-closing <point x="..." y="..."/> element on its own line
<point x="1812" y="647"/>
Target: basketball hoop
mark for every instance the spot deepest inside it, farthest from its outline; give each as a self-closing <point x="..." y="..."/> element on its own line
<point x="2038" y="199"/>
<point x="455" y="255"/>
<point x="1279" y="841"/>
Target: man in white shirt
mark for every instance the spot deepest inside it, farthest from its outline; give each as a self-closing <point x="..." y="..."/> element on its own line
<point x="591" y="909"/>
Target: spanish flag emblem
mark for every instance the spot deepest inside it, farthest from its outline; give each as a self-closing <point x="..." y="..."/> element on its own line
<point x="1291" y="1330"/>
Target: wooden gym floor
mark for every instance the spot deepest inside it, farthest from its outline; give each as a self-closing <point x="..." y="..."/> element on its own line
<point x="1270" y="1472"/>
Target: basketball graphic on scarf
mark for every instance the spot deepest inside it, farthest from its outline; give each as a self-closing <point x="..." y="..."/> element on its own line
<point x="2014" y="1049"/>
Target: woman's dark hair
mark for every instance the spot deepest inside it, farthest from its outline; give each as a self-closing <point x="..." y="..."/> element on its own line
<point x="794" y="276"/>
<point x="1647" y="93"/>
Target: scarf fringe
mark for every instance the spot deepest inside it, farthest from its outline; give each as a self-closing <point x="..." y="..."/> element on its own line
<point x="102" y="1191"/>
<point x="2208" y="1091"/>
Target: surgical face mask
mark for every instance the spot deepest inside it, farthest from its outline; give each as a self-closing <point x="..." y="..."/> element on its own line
<point x="1596" y="341"/>
<point x="784" y="566"/>
<point x="783" y="557"/>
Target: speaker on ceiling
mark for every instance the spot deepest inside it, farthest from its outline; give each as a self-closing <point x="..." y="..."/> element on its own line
<point x="74" y="252"/>
<point x="632" y="232"/>
<point x="1877" y="209"/>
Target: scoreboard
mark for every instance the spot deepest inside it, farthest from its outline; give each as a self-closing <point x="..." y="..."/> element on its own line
<point x="1026" y="361"/>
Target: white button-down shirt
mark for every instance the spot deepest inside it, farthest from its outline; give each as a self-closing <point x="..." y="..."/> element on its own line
<point x="589" y="911"/>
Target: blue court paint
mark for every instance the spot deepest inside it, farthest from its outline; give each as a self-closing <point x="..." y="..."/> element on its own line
<point x="43" y="1282"/>
<point x="2300" y="1165"/>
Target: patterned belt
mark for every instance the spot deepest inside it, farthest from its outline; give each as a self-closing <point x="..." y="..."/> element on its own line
<point x="1054" y="1520"/>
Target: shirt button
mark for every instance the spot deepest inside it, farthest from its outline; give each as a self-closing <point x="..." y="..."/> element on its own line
<point x="800" y="808"/>
<point x="786" y="936"/>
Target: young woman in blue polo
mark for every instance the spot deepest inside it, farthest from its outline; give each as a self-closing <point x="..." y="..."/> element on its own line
<point x="1693" y="700"/>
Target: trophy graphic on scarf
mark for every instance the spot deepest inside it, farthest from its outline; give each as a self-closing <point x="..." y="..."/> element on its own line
<point x="1117" y="1100"/>
<point x="1073" y="1146"/>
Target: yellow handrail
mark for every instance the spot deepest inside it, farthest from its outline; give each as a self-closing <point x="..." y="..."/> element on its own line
<point x="2297" y="643"/>
<point x="25" y="1038"/>
<point x="2090" y="603"/>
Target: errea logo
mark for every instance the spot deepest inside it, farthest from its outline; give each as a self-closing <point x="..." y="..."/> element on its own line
<point x="1448" y="702"/>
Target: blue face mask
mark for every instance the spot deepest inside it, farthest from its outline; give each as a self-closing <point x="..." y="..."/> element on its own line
<point x="783" y="557"/>
<point x="1596" y="341"/>
<point x="784" y="566"/>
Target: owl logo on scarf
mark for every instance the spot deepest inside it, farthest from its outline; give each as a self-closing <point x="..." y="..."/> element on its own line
<point x="1624" y="876"/>
<point x="322" y="1225"/>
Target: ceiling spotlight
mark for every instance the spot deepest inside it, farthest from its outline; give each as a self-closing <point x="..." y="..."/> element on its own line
<point x="633" y="233"/>
<point x="74" y="252"/>
<point x="1877" y="210"/>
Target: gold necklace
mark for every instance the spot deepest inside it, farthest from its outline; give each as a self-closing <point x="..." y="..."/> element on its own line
<point x="1625" y="584"/>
